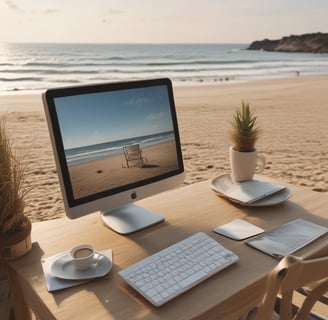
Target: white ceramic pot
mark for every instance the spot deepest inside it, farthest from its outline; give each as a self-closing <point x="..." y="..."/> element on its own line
<point x="244" y="164"/>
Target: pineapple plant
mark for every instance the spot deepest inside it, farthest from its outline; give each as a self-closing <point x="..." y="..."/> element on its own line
<point x="245" y="131"/>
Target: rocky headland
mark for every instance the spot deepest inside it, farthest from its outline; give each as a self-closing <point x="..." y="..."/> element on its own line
<point x="311" y="42"/>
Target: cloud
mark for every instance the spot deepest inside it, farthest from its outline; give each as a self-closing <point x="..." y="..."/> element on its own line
<point x="156" y="116"/>
<point x="13" y="6"/>
<point x="51" y="11"/>
<point x="40" y="13"/>
<point x="110" y="13"/>
<point x="140" y="101"/>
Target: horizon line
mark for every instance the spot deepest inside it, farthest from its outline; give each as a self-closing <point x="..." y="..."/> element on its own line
<point x="126" y="43"/>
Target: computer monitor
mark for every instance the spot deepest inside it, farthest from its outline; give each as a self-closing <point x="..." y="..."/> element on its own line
<point x="114" y="144"/>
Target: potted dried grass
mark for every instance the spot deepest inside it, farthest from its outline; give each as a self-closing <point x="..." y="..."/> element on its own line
<point x="15" y="226"/>
<point x="244" y="158"/>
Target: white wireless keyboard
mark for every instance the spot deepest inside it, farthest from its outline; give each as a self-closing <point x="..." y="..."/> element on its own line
<point x="173" y="270"/>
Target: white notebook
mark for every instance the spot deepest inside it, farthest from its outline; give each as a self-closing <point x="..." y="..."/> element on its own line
<point x="245" y="192"/>
<point x="253" y="190"/>
<point x="288" y="238"/>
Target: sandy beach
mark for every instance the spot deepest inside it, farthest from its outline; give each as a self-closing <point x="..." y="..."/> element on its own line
<point x="112" y="172"/>
<point x="293" y="114"/>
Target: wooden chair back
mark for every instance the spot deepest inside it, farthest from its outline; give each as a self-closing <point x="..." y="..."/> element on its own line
<point x="291" y="274"/>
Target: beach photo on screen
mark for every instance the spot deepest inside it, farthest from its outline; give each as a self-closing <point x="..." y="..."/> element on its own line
<point x="114" y="139"/>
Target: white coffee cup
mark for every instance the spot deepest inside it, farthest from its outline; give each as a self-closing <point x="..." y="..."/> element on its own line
<point x="84" y="256"/>
<point x="245" y="164"/>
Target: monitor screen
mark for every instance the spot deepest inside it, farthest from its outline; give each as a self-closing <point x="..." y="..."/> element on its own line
<point x="114" y="144"/>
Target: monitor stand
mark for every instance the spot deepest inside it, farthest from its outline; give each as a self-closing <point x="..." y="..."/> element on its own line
<point x="130" y="218"/>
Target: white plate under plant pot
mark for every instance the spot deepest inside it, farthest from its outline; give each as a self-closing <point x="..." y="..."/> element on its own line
<point x="244" y="165"/>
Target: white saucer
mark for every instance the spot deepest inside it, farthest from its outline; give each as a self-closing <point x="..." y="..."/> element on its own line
<point x="223" y="183"/>
<point x="63" y="268"/>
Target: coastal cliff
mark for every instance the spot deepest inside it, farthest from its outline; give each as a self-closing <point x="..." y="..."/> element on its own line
<point x="311" y="42"/>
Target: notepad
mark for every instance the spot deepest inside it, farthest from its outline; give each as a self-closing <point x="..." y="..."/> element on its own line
<point x="253" y="190"/>
<point x="288" y="238"/>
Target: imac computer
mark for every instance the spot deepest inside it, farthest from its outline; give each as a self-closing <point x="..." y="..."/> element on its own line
<point x="114" y="144"/>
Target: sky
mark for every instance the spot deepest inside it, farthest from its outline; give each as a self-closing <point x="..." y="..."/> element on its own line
<point x="159" y="21"/>
<point x="102" y="117"/>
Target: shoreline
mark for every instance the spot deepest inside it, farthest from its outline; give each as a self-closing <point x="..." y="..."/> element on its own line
<point x="200" y="82"/>
<point x="292" y="112"/>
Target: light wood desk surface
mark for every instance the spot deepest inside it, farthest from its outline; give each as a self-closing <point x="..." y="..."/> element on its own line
<point x="187" y="210"/>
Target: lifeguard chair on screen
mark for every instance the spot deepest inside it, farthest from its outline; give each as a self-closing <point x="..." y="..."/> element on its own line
<point x="133" y="154"/>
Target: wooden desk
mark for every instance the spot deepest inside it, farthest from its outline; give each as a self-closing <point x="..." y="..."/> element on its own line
<point x="187" y="210"/>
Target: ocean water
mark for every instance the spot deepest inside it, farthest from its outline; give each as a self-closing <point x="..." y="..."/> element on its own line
<point x="93" y="152"/>
<point x="27" y="66"/>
